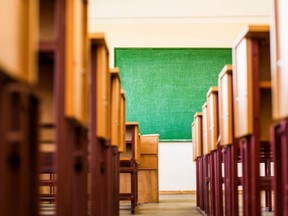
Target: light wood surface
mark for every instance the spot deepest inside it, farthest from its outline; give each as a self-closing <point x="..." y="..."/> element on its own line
<point x="122" y="145"/>
<point x="279" y="59"/>
<point x="212" y="106"/>
<point x="75" y="60"/>
<point x="103" y="122"/>
<point x="225" y="106"/>
<point x="148" y="180"/>
<point x="115" y="107"/>
<point x="206" y="146"/>
<point x="242" y="85"/>
<point x="18" y="39"/>
<point x="246" y="64"/>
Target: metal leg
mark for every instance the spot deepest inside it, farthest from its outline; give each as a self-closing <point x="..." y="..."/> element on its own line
<point x="251" y="179"/>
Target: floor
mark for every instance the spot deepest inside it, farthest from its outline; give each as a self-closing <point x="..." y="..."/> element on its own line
<point x="176" y="205"/>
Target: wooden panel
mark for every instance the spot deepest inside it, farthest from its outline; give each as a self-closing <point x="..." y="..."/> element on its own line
<point x="18" y="39"/>
<point x="115" y="107"/>
<point x="122" y="146"/>
<point x="199" y="134"/>
<point x="194" y="141"/>
<point x="125" y="183"/>
<point x="133" y="133"/>
<point x="242" y="88"/>
<point x="206" y="147"/>
<point x="148" y="162"/>
<point x="47" y="25"/>
<point x="76" y="63"/>
<point x="148" y="179"/>
<point x="225" y="106"/>
<point x="149" y="144"/>
<point x="212" y="106"/>
<point x="279" y="61"/>
<point x="102" y="85"/>
<point x="137" y="146"/>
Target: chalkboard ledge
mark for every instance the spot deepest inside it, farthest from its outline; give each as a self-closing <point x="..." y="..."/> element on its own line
<point x="175" y="140"/>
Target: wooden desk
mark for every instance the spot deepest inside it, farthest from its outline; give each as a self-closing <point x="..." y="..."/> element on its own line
<point x="115" y="107"/>
<point x="129" y="161"/>
<point x="205" y="160"/>
<point x="227" y="141"/>
<point x="197" y="156"/>
<point x="148" y="183"/>
<point x="252" y="96"/>
<point x="100" y="125"/>
<point x="279" y="77"/>
<point x="215" y="155"/>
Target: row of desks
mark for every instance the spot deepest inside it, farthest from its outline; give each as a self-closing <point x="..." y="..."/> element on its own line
<point x="63" y="109"/>
<point x="236" y="125"/>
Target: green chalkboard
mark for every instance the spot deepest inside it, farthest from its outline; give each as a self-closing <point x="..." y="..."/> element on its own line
<point x="164" y="87"/>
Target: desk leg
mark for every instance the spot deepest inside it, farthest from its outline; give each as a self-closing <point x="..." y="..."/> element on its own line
<point x="251" y="179"/>
<point x="218" y="182"/>
<point x="18" y="151"/>
<point x="206" y="183"/>
<point x="231" y="180"/>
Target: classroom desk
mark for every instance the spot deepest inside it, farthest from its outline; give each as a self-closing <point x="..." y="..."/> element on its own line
<point x="227" y="141"/>
<point x="279" y="130"/>
<point x="129" y="161"/>
<point x="100" y="126"/>
<point x="215" y="155"/>
<point x="197" y="157"/>
<point x="252" y="91"/>
<point x="19" y="111"/>
<point x="205" y="160"/>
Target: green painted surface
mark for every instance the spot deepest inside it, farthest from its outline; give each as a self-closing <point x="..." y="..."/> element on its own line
<point x="164" y="87"/>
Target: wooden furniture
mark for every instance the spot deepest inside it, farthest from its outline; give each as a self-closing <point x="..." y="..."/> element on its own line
<point x="252" y="91"/>
<point x="216" y="196"/>
<point x="111" y="151"/>
<point x="19" y="111"/>
<point x="197" y="157"/>
<point x="122" y="143"/>
<point x="227" y="141"/>
<point x="205" y="160"/>
<point x="99" y="125"/>
<point x="18" y="21"/>
<point x="148" y="175"/>
<point x="279" y="131"/>
<point x="63" y="70"/>
<point x="129" y="161"/>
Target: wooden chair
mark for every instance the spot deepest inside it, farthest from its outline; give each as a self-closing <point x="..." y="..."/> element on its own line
<point x="197" y="157"/>
<point x="252" y="91"/>
<point x="227" y="141"/>
<point x="279" y="131"/>
<point x="129" y="161"/>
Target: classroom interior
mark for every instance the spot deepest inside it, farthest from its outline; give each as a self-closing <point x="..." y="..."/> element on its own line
<point x="114" y="108"/>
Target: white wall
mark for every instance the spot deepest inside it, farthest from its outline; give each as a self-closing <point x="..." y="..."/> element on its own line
<point x="176" y="167"/>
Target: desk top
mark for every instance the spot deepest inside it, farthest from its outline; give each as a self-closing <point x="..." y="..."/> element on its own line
<point x="226" y="70"/>
<point x="253" y="31"/>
